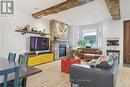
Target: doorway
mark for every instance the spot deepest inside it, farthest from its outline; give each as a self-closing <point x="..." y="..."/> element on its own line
<point x="127" y="42"/>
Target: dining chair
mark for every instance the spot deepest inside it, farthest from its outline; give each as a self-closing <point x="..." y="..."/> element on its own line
<point x="6" y="72"/>
<point x="23" y="59"/>
<point x="11" y="57"/>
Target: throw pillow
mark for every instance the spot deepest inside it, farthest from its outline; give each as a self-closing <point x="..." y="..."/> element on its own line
<point x="110" y="61"/>
<point x="107" y="63"/>
<point x="103" y="65"/>
<point x="113" y="56"/>
<point x="102" y="58"/>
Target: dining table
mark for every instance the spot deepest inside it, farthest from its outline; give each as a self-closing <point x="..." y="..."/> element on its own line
<point x="24" y="70"/>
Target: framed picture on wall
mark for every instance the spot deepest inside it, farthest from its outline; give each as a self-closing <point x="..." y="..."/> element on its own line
<point x="115" y="53"/>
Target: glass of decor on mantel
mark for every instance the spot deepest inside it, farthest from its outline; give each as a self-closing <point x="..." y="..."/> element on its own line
<point x="70" y="59"/>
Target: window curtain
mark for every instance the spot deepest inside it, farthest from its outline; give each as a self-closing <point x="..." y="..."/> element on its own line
<point x="76" y="34"/>
<point x="100" y="36"/>
<point x="99" y="33"/>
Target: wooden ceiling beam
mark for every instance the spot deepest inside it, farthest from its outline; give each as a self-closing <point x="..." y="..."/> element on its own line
<point x="114" y="8"/>
<point x="61" y="7"/>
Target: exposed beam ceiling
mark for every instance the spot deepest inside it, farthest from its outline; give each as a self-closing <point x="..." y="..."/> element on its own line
<point x="114" y="8"/>
<point x="61" y="7"/>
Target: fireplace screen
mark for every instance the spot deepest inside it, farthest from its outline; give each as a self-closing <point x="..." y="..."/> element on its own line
<point x="62" y="50"/>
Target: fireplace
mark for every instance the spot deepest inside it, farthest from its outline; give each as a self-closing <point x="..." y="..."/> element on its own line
<point x="62" y="50"/>
<point x="115" y="53"/>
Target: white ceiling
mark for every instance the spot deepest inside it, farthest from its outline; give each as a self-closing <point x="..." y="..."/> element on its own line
<point x="93" y="12"/>
<point x="125" y="9"/>
<point x="30" y="5"/>
<point x="86" y="14"/>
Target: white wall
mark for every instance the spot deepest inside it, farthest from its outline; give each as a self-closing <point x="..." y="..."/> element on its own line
<point x="0" y="36"/>
<point x="113" y="29"/>
<point x="74" y="33"/>
<point x="13" y="41"/>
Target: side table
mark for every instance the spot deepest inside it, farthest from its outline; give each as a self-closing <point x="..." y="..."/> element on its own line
<point x="65" y="64"/>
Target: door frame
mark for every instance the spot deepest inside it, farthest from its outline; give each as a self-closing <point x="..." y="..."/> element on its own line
<point x="124" y="59"/>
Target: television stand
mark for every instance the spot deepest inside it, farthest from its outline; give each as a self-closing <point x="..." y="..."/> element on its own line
<point x="40" y="59"/>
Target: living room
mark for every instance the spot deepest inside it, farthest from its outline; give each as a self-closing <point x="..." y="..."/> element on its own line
<point x="50" y="32"/>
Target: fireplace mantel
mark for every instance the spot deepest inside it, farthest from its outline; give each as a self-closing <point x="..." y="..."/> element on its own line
<point x="62" y="41"/>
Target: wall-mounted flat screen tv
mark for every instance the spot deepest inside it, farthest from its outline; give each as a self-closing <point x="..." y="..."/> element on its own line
<point x="39" y="43"/>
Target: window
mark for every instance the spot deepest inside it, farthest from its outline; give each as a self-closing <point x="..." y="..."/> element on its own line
<point x="90" y="38"/>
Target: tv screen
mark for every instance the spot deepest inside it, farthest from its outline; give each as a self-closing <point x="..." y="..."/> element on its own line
<point x="39" y="43"/>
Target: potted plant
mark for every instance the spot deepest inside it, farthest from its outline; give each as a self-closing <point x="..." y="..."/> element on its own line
<point x="82" y="43"/>
<point x="92" y="42"/>
<point x="70" y="59"/>
<point x="70" y="54"/>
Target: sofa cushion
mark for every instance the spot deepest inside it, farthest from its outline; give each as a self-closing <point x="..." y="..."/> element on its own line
<point x="104" y="65"/>
<point x="107" y="63"/>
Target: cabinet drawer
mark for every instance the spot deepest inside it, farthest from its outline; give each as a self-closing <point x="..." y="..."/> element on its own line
<point x="34" y="61"/>
<point x="40" y="59"/>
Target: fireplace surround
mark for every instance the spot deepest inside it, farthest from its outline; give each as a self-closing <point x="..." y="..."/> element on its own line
<point x="61" y="48"/>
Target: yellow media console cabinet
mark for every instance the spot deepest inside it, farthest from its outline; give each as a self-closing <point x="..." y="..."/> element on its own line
<point x="40" y="59"/>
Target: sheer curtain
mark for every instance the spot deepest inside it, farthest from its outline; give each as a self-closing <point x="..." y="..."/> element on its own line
<point x="100" y="36"/>
<point x="93" y="28"/>
<point x="76" y="33"/>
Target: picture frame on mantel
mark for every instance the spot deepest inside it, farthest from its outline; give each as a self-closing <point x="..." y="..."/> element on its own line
<point x="114" y="52"/>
